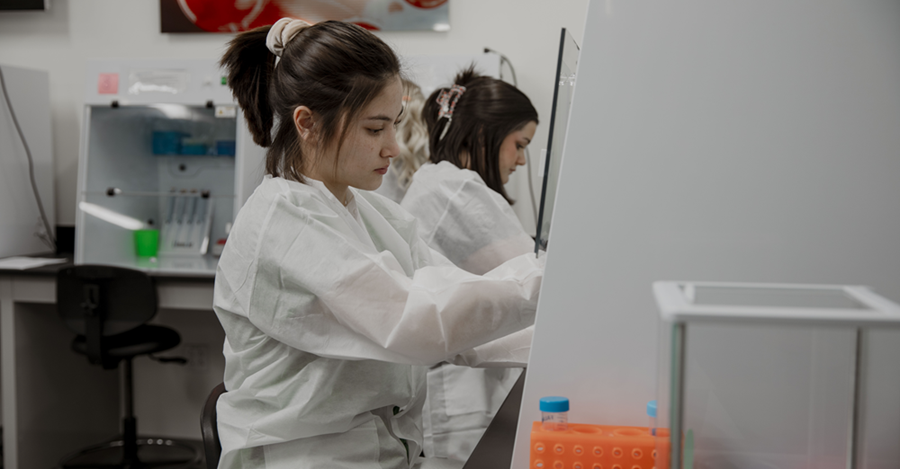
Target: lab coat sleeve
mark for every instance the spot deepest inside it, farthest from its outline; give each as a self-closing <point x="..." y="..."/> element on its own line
<point x="323" y="292"/>
<point x="506" y="352"/>
<point x="464" y="219"/>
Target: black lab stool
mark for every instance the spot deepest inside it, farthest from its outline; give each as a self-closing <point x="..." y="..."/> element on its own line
<point x="108" y="307"/>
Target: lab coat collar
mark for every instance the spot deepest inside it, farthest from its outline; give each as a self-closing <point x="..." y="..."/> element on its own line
<point x="324" y="189"/>
<point x="350" y="212"/>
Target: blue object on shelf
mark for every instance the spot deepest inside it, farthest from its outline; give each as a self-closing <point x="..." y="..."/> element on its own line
<point x="651" y="408"/>
<point x="167" y="142"/>
<point x="193" y="149"/>
<point x="225" y="147"/>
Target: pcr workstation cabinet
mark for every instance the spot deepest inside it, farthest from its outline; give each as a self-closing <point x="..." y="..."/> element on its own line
<point x="164" y="149"/>
<point x="740" y="142"/>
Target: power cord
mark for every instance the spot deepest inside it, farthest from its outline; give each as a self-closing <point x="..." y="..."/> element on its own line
<point x="47" y="236"/>
<point x="504" y="59"/>
<point x="531" y="184"/>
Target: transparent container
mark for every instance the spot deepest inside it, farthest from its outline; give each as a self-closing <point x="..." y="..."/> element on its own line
<point x="554" y="413"/>
<point x="769" y="375"/>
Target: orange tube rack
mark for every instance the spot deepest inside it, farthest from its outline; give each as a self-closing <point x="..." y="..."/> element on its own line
<point x="585" y="446"/>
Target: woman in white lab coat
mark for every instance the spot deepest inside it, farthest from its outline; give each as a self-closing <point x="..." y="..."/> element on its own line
<point x="479" y="128"/>
<point x="331" y="303"/>
<point x="412" y="138"/>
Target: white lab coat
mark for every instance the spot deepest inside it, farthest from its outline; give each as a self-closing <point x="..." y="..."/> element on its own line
<point x="331" y="314"/>
<point x="475" y="227"/>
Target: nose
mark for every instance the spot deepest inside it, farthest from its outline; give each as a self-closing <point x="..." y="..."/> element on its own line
<point x="391" y="147"/>
<point x="520" y="160"/>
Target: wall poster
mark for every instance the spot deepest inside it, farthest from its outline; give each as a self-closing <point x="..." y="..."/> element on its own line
<point x="183" y="16"/>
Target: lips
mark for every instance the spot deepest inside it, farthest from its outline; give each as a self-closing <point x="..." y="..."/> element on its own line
<point x="382" y="171"/>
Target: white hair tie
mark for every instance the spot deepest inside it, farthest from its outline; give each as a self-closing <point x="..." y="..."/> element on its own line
<point x="283" y="31"/>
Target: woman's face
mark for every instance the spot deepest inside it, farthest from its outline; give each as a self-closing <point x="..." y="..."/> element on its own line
<point x="369" y="144"/>
<point x="512" y="150"/>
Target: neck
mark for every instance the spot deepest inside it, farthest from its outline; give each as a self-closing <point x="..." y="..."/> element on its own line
<point x="464" y="160"/>
<point x="341" y="191"/>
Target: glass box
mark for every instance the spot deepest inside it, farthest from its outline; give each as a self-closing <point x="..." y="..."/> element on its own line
<point x="765" y="375"/>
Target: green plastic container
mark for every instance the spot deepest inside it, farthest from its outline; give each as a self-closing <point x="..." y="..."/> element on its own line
<point x="146" y="243"/>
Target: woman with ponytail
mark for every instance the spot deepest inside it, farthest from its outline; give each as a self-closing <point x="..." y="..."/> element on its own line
<point x="478" y="128"/>
<point x="332" y="306"/>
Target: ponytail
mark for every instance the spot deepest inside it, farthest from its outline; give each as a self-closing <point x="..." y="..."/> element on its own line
<point x="249" y="65"/>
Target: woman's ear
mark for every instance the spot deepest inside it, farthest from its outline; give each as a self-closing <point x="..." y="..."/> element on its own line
<point x="304" y="123"/>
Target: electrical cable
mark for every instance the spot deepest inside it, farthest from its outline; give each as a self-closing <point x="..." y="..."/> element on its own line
<point x="504" y="59"/>
<point x="531" y="185"/>
<point x="48" y="238"/>
<point x="512" y="69"/>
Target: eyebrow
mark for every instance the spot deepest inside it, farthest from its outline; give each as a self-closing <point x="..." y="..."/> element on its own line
<point x="382" y="117"/>
<point x="527" y="139"/>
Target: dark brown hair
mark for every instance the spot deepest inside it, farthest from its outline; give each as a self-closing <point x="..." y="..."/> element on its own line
<point x="333" y="68"/>
<point x="488" y="111"/>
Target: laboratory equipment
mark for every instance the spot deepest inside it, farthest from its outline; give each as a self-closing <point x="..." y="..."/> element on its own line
<point x="765" y="375"/>
<point x="554" y="413"/>
<point x="563" y="90"/>
<point x="146" y="242"/>
<point x="26" y="228"/>
<point x="701" y="147"/>
<point x="557" y="444"/>
<point x="651" y="414"/>
<point x="164" y="146"/>
<point x="586" y="446"/>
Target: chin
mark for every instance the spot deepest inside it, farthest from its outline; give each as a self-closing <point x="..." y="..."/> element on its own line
<point x="369" y="185"/>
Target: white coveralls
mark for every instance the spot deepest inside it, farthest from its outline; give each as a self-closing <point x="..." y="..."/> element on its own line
<point x="328" y="310"/>
<point x="475" y="227"/>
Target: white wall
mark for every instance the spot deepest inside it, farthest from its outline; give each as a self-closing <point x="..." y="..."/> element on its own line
<point x="62" y="39"/>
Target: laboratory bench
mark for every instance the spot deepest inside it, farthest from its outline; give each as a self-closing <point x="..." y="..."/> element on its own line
<point x="54" y="402"/>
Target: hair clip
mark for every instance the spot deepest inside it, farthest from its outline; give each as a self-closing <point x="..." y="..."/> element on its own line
<point x="448" y="99"/>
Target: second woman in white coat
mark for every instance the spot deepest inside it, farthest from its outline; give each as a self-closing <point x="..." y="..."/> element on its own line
<point x="478" y="131"/>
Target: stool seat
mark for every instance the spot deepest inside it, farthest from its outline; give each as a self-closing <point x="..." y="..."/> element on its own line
<point x="141" y="340"/>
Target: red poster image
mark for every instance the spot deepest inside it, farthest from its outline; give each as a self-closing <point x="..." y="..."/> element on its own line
<point x="181" y="16"/>
<point x="108" y="83"/>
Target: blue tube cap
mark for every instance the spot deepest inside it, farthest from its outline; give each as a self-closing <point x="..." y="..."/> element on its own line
<point x="554" y="404"/>
<point x="651" y="408"/>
